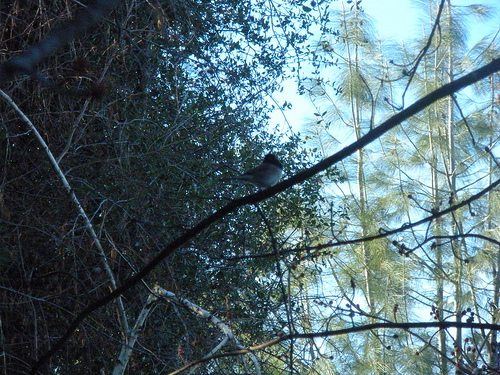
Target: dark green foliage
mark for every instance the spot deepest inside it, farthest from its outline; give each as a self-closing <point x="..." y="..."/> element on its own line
<point x="148" y="112"/>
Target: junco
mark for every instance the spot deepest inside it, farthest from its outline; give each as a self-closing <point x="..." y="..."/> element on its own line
<point x="264" y="175"/>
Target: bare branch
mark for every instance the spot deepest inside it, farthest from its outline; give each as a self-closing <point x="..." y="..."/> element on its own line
<point x="368" y="327"/>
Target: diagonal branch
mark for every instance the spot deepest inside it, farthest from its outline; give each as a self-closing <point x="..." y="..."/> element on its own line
<point x="361" y="328"/>
<point x="390" y="232"/>
<point x="232" y="206"/>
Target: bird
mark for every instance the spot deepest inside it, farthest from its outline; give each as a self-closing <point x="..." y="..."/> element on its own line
<point x="264" y="175"/>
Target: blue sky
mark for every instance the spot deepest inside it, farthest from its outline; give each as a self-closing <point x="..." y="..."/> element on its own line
<point x="393" y="19"/>
<point x="398" y="19"/>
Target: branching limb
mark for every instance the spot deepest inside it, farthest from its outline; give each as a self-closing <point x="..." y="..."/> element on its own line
<point x="128" y="346"/>
<point x="376" y="133"/>
<point x="229" y="336"/>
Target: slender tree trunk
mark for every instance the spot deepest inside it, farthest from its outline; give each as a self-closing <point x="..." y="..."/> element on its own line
<point x="494" y="349"/>
<point x="451" y="177"/>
